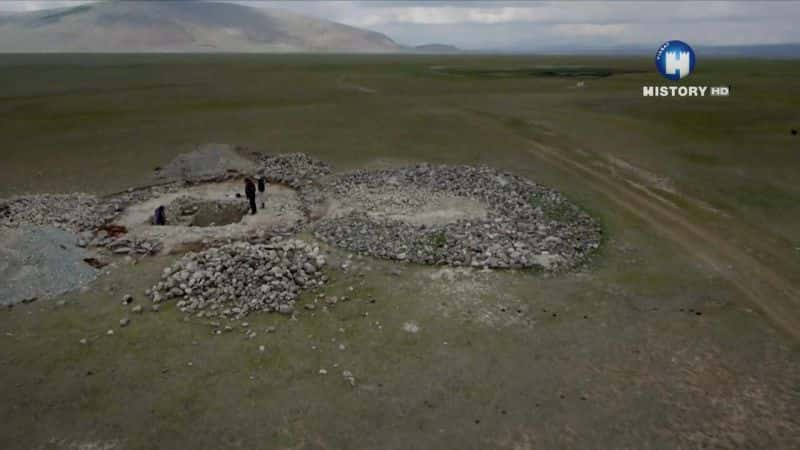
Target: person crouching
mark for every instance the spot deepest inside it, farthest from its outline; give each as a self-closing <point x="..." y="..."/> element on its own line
<point x="160" y="216"/>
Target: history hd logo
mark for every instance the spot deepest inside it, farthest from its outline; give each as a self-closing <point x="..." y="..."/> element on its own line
<point x="675" y="60"/>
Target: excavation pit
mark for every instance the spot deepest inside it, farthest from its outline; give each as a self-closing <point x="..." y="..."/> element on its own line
<point x="193" y="212"/>
<point x="213" y="212"/>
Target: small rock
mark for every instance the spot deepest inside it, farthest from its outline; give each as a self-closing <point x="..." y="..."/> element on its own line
<point x="411" y="327"/>
<point x="138" y="309"/>
<point x="348" y="376"/>
<point x="124" y="322"/>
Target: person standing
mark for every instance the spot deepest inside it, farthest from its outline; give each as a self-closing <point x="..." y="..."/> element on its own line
<point x="250" y="193"/>
<point x="262" y="186"/>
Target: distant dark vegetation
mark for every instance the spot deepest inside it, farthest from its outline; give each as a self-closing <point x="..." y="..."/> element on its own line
<point x="533" y="72"/>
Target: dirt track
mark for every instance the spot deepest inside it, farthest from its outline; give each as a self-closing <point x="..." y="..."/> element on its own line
<point x="765" y="286"/>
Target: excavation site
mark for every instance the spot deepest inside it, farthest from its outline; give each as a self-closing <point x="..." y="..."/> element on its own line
<point x="236" y="262"/>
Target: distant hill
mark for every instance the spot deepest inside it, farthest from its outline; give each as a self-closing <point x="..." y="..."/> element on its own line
<point x="436" y="48"/>
<point x="181" y="26"/>
<point x="781" y="51"/>
<point x="772" y="51"/>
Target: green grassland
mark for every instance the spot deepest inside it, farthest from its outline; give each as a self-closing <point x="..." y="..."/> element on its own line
<point x="101" y="123"/>
<point x="649" y="346"/>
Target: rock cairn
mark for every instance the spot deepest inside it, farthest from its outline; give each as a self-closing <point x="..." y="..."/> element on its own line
<point x="527" y="225"/>
<point x="235" y="279"/>
<point x="69" y="212"/>
<point x="295" y="170"/>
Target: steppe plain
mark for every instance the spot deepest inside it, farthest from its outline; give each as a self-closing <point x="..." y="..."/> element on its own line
<point x="681" y="332"/>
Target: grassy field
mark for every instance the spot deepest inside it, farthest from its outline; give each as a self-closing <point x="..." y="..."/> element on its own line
<point x="678" y="335"/>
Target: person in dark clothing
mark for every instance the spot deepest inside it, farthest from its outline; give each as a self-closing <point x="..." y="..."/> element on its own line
<point x="250" y="193"/>
<point x="262" y="186"/>
<point x="160" y="216"/>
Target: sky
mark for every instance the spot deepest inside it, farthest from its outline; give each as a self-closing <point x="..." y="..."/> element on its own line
<point x="522" y="25"/>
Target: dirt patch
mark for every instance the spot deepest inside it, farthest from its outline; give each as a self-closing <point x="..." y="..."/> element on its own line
<point x="215" y="214"/>
<point x="409" y="204"/>
<point x="472" y="296"/>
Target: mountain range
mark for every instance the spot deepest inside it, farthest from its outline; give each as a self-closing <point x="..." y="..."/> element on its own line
<point x="182" y="26"/>
<point x="122" y="26"/>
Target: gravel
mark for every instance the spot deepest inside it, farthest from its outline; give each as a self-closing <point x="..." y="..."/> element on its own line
<point x="40" y="262"/>
<point x="235" y="279"/>
<point x="525" y="225"/>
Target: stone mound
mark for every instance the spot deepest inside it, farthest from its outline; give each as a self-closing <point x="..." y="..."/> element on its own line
<point x="207" y="162"/>
<point x="235" y="279"/>
<point x="70" y="212"/>
<point x="295" y="170"/>
<point x="525" y="224"/>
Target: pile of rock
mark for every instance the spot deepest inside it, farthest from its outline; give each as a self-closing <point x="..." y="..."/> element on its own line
<point x="526" y="225"/>
<point x="76" y="212"/>
<point x="235" y="279"/>
<point x="69" y="212"/>
<point x="295" y="170"/>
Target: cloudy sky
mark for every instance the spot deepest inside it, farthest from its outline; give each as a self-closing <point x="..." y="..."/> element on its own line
<point x="524" y="25"/>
